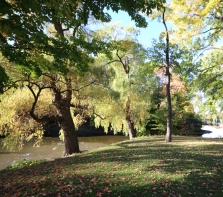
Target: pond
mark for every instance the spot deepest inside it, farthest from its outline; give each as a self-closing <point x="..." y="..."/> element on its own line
<point x="53" y="147"/>
<point x="213" y="132"/>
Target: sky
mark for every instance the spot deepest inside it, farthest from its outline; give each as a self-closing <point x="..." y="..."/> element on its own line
<point x="146" y="34"/>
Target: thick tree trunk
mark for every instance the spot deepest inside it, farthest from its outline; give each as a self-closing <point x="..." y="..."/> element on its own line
<point x="129" y="121"/>
<point x="62" y="104"/>
<point x="131" y="129"/>
<point x="70" y="136"/>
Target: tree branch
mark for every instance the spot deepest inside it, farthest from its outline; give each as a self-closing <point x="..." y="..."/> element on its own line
<point x="204" y="32"/>
<point x="45" y="118"/>
<point x="99" y="116"/>
<point x="75" y="29"/>
<point x="85" y="86"/>
<point x="124" y="64"/>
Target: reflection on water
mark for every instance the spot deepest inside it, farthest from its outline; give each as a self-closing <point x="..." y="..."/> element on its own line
<point x="54" y="148"/>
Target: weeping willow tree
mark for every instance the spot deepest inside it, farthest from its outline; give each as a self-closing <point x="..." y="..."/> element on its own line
<point x="128" y="86"/>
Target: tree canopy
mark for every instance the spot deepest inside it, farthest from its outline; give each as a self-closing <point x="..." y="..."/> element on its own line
<point x="198" y="24"/>
<point x="201" y="19"/>
<point x="24" y="30"/>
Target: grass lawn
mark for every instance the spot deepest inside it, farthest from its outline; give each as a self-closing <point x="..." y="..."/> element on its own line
<point x="189" y="166"/>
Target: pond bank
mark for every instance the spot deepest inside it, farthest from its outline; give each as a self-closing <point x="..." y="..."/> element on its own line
<point x="189" y="166"/>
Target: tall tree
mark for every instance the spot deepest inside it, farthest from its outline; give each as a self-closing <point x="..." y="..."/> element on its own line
<point x="129" y="108"/>
<point x="179" y="60"/>
<point x="169" y="125"/>
<point x="166" y="65"/>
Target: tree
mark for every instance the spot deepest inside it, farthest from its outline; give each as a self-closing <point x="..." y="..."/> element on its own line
<point x="126" y="105"/>
<point x="168" y="58"/>
<point x="166" y="65"/>
<point x="168" y="137"/>
<point x="48" y="40"/>
<point x="49" y="98"/>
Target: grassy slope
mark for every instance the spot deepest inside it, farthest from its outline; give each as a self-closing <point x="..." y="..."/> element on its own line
<point x="188" y="166"/>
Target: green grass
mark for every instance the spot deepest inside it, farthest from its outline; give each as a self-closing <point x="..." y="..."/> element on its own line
<point x="189" y="166"/>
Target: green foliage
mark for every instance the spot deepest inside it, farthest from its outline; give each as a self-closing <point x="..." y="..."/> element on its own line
<point x="182" y="60"/>
<point x="210" y="75"/>
<point x="182" y="110"/>
<point x="209" y="82"/>
<point x="126" y="81"/>
<point x="25" y="33"/>
<point x="202" y="32"/>
<point x="182" y="68"/>
<point x="24" y="163"/>
<point x="51" y="44"/>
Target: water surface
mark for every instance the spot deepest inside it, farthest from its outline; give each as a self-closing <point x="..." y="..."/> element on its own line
<point x="214" y="132"/>
<point x="53" y="147"/>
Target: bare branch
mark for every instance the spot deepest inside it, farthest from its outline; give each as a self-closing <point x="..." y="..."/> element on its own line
<point x="124" y="64"/>
<point x="112" y="62"/>
<point x="85" y="86"/>
<point x="45" y="118"/>
<point x="36" y="97"/>
<point x="204" y="32"/>
<point x="99" y="116"/>
<point x="75" y="30"/>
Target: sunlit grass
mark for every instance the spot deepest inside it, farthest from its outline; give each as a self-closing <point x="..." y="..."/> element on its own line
<point x="189" y="166"/>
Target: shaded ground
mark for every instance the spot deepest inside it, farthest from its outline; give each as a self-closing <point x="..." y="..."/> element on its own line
<point x="188" y="166"/>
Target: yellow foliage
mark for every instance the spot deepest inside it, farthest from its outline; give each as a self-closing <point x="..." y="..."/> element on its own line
<point x="15" y="121"/>
<point x="211" y="5"/>
<point x="190" y="17"/>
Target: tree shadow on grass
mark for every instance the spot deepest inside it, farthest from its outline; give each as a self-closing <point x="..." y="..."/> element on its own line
<point x="144" y="168"/>
<point x="113" y="184"/>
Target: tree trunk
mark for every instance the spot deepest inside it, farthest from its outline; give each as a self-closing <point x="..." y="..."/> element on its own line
<point x="167" y="66"/>
<point x="168" y="137"/>
<point x="129" y="121"/>
<point x="65" y="121"/>
<point x="131" y="129"/>
<point x="70" y="137"/>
